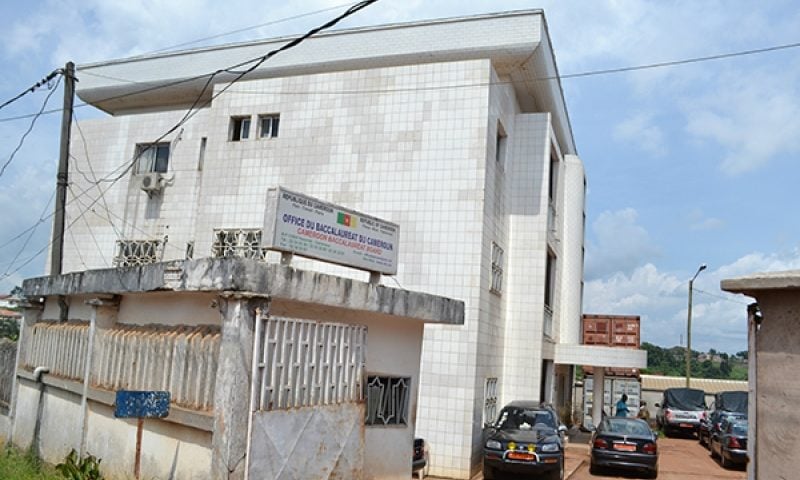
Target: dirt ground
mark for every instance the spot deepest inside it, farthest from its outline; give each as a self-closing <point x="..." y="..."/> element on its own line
<point x="679" y="459"/>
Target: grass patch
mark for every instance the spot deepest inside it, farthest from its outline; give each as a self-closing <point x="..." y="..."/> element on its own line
<point x="24" y="466"/>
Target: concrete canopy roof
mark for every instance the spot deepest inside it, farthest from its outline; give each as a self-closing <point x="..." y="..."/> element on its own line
<point x="517" y="43"/>
<point x="231" y="276"/>
<point x="600" y="356"/>
<point x="758" y="282"/>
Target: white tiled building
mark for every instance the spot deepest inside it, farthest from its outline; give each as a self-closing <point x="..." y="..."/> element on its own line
<point x="454" y="129"/>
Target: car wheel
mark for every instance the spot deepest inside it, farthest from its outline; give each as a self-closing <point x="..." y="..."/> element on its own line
<point x="700" y="439"/>
<point x="653" y="473"/>
<point x="711" y="450"/>
<point x="594" y="469"/>
<point x="724" y="463"/>
<point x="488" y="472"/>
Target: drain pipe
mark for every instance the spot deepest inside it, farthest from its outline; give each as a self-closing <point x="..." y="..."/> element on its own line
<point x="95" y="303"/>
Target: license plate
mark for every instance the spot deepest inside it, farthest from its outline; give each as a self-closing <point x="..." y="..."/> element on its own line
<point x="624" y="447"/>
<point x="528" y="457"/>
<point x="686" y="425"/>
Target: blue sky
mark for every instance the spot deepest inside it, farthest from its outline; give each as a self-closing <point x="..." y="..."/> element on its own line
<point x="686" y="165"/>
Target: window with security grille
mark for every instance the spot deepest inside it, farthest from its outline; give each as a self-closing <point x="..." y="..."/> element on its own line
<point x="241" y="243"/>
<point x="387" y="400"/>
<point x="490" y="400"/>
<point x="152" y="157"/>
<point x="497" y="269"/>
<point x="132" y="253"/>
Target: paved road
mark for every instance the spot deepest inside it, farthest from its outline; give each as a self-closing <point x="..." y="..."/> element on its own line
<point x="679" y="459"/>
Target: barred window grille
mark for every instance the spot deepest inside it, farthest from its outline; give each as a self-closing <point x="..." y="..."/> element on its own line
<point x="304" y="363"/>
<point x="497" y="269"/>
<point x="132" y="253"/>
<point x="242" y="243"/>
<point x="387" y="400"/>
<point x="490" y="400"/>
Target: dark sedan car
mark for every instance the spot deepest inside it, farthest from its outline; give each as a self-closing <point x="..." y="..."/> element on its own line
<point x="731" y="443"/>
<point x="624" y="443"/>
<point x="526" y="440"/>
<point x="726" y="404"/>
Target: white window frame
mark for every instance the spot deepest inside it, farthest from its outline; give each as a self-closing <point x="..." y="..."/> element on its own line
<point x="490" y="400"/>
<point x="274" y="120"/>
<point x="152" y="157"/>
<point x="240" y="128"/>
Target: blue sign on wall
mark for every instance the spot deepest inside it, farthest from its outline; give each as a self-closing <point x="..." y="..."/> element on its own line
<point x="137" y="404"/>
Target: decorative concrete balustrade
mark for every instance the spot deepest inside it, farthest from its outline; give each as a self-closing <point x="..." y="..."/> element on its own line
<point x="181" y="360"/>
<point x="8" y="354"/>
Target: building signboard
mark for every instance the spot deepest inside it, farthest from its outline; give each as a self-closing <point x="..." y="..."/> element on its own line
<point x="303" y="225"/>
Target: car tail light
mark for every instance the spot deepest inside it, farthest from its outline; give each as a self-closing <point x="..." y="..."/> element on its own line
<point x="600" y="443"/>
<point x="650" y="448"/>
<point x="668" y="414"/>
<point x="734" y="443"/>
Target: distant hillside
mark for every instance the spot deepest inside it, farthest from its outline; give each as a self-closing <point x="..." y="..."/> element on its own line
<point x="711" y="364"/>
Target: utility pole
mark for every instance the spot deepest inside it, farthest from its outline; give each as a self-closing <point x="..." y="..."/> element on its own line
<point x="689" y="329"/>
<point x="57" y="252"/>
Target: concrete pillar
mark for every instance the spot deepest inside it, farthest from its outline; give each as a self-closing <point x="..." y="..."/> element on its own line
<point x="31" y="313"/>
<point x="232" y="389"/>
<point x="598" y="396"/>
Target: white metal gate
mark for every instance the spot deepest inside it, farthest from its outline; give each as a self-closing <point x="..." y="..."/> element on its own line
<point x="306" y="403"/>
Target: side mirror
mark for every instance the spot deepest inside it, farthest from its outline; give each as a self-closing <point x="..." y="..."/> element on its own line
<point x="562" y="429"/>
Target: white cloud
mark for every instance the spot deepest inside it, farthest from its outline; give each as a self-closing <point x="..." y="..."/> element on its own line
<point x="698" y="221"/>
<point x="661" y="299"/>
<point x="641" y="132"/>
<point x="620" y="244"/>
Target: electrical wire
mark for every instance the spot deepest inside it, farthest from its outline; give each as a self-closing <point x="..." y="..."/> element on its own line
<point x="46" y="80"/>
<point x="190" y="113"/>
<point x="718" y="296"/>
<point x="30" y="128"/>
<point x="245" y="29"/>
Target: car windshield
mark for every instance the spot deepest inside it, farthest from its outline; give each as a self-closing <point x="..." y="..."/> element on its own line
<point x="524" y="419"/>
<point x="625" y="427"/>
<point x="739" y="429"/>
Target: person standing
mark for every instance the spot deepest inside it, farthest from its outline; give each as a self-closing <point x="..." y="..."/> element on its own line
<point x="622" y="406"/>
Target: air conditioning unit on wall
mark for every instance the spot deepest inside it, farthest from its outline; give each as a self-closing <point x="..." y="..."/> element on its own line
<point x="151" y="182"/>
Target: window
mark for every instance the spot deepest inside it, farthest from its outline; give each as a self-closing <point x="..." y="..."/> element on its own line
<point x="240" y="128"/>
<point x="553" y="179"/>
<point x="500" y="150"/>
<point x="152" y="157"/>
<point x="242" y="243"/>
<point x="550" y="280"/>
<point x="268" y="125"/>
<point x="497" y="269"/>
<point x="490" y="400"/>
<point x="387" y="400"/>
<point x="132" y="253"/>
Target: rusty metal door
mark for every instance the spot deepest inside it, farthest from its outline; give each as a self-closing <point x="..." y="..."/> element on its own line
<point x="306" y="405"/>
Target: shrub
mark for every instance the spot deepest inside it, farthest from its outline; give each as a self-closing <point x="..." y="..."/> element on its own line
<point x="87" y="468"/>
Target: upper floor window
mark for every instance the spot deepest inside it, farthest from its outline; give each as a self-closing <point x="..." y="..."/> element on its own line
<point x="240" y="128"/>
<point x="497" y="269"/>
<point x="268" y="125"/>
<point x="550" y="280"/>
<point x="242" y="243"/>
<point x="152" y="157"/>
<point x="553" y="179"/>
<point x="500" y="150"/>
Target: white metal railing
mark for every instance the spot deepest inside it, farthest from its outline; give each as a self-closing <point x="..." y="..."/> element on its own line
<point x="302" y="363"/>
<point x="61" y="347"/>
<point x="8" y="355"/>
<point x="548" y="321"/>
<point x="181" y="360"/>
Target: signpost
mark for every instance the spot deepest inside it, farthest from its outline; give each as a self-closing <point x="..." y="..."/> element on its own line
<point x="303" y="225"/>
<point x="141" y="405"/>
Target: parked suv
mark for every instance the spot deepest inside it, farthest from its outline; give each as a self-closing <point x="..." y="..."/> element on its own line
<point x="681" y="409"/>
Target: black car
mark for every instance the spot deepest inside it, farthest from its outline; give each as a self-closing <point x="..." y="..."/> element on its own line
<point x="419" y="462"/>
<point x="726" y="404"/>
<point x="624" y="443"/>
<point x="731" y="443"/>
<point x="526" y="440"/>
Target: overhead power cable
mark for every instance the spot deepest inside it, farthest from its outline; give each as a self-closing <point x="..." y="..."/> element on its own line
<point x="30" y="128"/>
<point x="33" y="88"/>
<point x="588" y="73"/>
<point x="253" y="27"/>
<point x="256" y="63"/>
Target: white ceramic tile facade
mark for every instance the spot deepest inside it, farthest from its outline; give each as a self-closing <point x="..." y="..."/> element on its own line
<point x="396" y="142"/>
